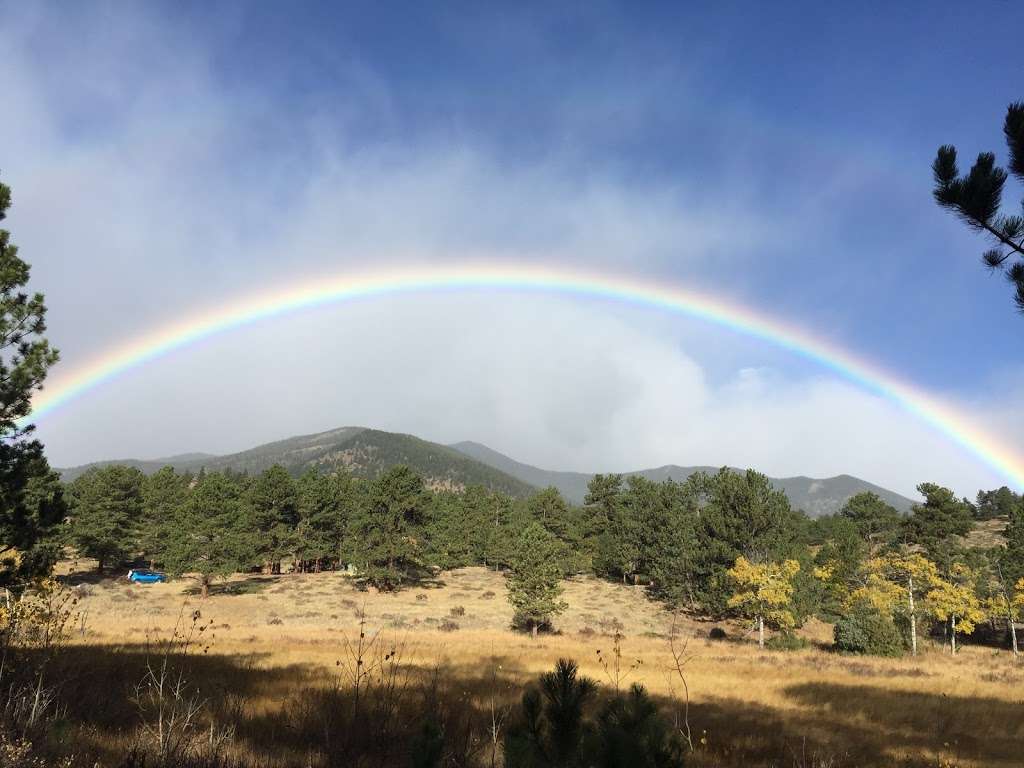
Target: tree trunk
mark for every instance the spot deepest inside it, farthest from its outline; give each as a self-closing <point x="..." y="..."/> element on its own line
<point x="760" y="632"/>
<point x="204" y="588"/>
<point x="913" y="616"/>
<point x="1012" y="623"/>
<point x="952" y="634"/>
<point x="533" y="630"/>
<point x="99" y="565"/>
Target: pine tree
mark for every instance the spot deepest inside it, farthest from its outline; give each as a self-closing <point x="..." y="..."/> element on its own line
<point x="107" y="513"/>
<point x="743" y="514"/>
<point x="564" y="522"/>
<point x="25" y="358"/>
<point x="876" y="521"/>
<point x="934" y="523"/>
<point x="977" y="197"/>
<point x="672" y="546"/>
<point x="163" y="493"/>
<point x="386" y="530"/>
<point x="210" y="539"/>
<point x="838" y="563"/>
<point x="31" y="528"/>
<point x="272" y="511"/>
<point x="461" y="527"/>
<point x="533" y="588"/>
<point x="325" y="504"/>
<point x="1001" y="502"/>
<point x="550" y="731"/>
<point x="602" y="504"/>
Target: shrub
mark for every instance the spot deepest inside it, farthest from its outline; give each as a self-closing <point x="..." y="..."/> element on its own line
<point x="864" y="630"/>
<point x="787" y="641"/>
<point x="488" y="595"/>
<point x="631" y="732"/>
<point x="717" y="633"/>
<point x="457" y="611"/>
<point x="550" y="727"/>
<point x="448" y="626"/>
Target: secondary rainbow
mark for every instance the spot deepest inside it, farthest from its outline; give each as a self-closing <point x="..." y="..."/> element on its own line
<point x="418" y="279"/>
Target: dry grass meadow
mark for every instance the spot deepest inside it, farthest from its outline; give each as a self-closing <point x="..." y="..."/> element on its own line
<point x="273" y="639"/>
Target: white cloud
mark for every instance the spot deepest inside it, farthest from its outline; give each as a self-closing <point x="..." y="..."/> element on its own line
<point x="547" y="380"/>
<point x="144" y="190"/>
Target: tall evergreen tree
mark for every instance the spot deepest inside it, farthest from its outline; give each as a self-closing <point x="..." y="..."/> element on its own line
<point x="977" y="198"/>
<point x="1001" y="502"/>
<point x="743" y="514"/>
<point x="272" y="509"/>
<point x="324" y="507"/>
<point x="211" y="539"/>
<point x="876" y="521"/>
<point x="533" y="588"/>
<point x="838" y="562"/>
<point x="163" y="493"/>
<point x="602" y="503"/>
<point x="462" y="527"/>
<point x="107" y="512"/>
<point x="564" y="522"/>
<point x="31" y="528"/>
<point x="934" y="523"/>
<point x="386" y="531"/>
<point x="25" y="357"/>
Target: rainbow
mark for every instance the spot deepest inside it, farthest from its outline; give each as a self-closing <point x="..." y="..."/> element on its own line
<point x="417" y="279"/>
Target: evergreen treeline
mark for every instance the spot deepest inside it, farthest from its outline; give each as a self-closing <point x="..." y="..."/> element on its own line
<point x="723" y="543"/>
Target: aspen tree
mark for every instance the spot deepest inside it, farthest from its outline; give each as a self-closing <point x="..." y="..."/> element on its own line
<point x="764" y="592"/>
<point x="954" y="600"/>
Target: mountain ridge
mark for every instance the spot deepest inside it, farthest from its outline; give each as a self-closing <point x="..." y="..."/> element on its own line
<point x="362" y="451"/>
<point x="367" y="452"/>
<point x="815" y="496"/>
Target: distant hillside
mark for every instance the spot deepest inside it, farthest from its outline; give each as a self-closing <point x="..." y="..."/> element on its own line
<point x="182" y="461"/>
<point x="368" y="452"/>
<point x="813" y="496"/>
<point x="363" y="452"/>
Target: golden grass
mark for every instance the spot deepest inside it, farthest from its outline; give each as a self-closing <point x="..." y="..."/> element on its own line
<point x="751" y="707"/>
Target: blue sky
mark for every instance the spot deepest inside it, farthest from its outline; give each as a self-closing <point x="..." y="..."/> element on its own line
<point x="775" y="155"/>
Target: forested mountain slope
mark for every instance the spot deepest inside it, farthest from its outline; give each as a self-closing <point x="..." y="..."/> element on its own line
<point x="368" y="452"/>
<point x="363" y="452"/>
<point x="816" y="497"/>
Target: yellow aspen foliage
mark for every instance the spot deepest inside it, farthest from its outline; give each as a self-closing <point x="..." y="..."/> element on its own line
<point x="876" y="586"/>
<point x="955" y="601"/>
<point x="893" y="583"/>
<point x="764" y="592"/>
<point x="1018" y="597"/>
<point x="901" y="566"/>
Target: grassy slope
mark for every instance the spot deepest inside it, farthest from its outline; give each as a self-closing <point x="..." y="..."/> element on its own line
<point x="752" y="708"/>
